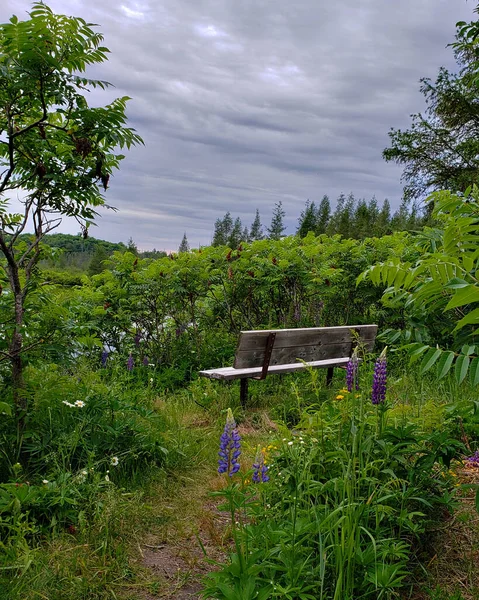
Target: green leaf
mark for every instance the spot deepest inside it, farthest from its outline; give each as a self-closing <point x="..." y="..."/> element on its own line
<point x="471" y="318"/>
<point x="456" y="283"/>
<point x="444" y="364"/>
<point x="5" y="408"/>
<point x="429" y="359"/>
<point x="474" y="372"/>
<point x="416" y="354"/>
<point x="465" y="295"/>
<point x="462" y="365"/>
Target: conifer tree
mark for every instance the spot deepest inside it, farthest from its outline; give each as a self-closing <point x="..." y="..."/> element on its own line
<point x="383" y="226"/>
<point x="256" y="232"/>
<point x="218" y="234"/>
<point x="308" y="220"/>
<point x="222" y="232"/>
<point x="96" y="265"/>
<point x="333" y="225"/>
<point x="184" y="246"/>
<point x="132" y="247"/>
<point x="323" y="216"/>
<point x="361" y="221"/>
<point x="236" y="235"/>
<point x="277" y="227"/>
<point x="400" y="219"/>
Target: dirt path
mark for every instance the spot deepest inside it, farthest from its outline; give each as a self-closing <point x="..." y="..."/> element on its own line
<point x="178" y="554"/>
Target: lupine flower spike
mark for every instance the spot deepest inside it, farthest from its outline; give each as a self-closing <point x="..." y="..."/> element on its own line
<point x="473" y="461"/>
<point x="380" y="379"/>
<point x="260" y="472"/>
<point x="130" y="362"/>
<point x="352" y="372"/>
<point x="230" y="447"/>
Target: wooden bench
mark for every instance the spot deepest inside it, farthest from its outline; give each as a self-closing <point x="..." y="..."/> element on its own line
<point x="274" y="351"/>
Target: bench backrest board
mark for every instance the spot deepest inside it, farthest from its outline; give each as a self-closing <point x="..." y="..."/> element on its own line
<point x="308" y="344"/>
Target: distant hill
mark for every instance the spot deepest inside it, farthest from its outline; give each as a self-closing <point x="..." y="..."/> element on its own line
<point x="83" y="255"/>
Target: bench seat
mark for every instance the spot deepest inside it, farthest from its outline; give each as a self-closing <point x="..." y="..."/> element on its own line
<point x="230" y="373"/>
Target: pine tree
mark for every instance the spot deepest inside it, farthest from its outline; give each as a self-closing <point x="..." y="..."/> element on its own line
<point x="334" y="221"/>
<point x="96" y="265"/>
<point x="346" y="219"/>
<point x="277" y="227"/>
<point x="132" y="247"/>
<point x="236" y="234"/>
<point x="256" y="232"/>
<point x="219" y="234"/>
<point x="361" y="226"/>
<point x="308" y="220"/>
<point x="184" y="246"/>
<point x="384" y="219"/>
<point x="222" y="232"/>
<point x="400" y="219"/>
<point x="323" y="216"/>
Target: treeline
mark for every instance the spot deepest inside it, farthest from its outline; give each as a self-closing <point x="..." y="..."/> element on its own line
<point x="81" y="254"/>
<point x="351" y="218"/>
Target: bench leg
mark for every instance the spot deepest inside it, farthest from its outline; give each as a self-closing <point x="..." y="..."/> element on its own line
<point x="329" y="376"/>
<point x="243" y="392"/>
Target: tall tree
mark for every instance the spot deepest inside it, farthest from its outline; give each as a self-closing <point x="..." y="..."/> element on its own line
<point x="400" y="219"/>
<point x="440" y="150"/>
<point x="184" y="246"/>
<point x="384" y="219"/>
<point x="308" y="220"/>
<point x="256" y="231"/>
<point x="361" y="225"/>
<point x="222" y="232"/>
<point x="97" y="263"/>
<point x="277" y="227"/>
<point x="132" y="247"/>
<point x="219" y="238"/>
<point x="324" y="215"/>
<point x="334" y="221"/>
<point x="55" y="149"/>
<point x="236" y="235"/>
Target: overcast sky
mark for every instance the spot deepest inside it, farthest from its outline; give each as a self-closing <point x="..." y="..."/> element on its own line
<point x="245" y="103"/>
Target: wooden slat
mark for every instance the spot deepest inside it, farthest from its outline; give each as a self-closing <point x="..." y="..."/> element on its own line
<point x="230" y="373"/>
<point x="251" y="340"/>
<point x="283" y="356"/>
<point x="311" y="344"/>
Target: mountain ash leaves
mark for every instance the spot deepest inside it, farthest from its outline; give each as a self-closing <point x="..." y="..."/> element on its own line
<point x="439" y="291"/>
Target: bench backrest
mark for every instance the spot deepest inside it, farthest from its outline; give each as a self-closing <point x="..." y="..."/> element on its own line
<point x="308" y="344"/>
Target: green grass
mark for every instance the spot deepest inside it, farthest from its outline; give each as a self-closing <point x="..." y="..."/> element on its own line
<point x="104" y="557"/>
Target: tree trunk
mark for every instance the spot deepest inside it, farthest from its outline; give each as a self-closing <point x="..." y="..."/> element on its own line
<point x="16" y="346"/>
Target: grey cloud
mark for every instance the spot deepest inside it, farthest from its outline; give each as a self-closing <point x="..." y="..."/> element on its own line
<point x="243" y="104"/>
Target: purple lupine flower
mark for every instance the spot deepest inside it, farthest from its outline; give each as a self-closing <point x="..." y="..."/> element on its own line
<point x="473" y="461"/>
<point x="230" y="447"/>
<point x="260" y="470"/>
<point x="378" y="395"/>
<point x="146" y="361"/>
<point x="352" y="372"/>
<point x="104" y="357"/>
<point x="130" y="363"/>
<point x="137" y="339"/>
